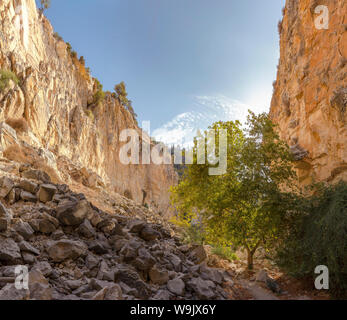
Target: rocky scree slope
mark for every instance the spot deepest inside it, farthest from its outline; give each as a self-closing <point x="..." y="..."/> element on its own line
<point x="75" y="251"/>
<point x="56" y="98"/>
<point x="310" y="95"/>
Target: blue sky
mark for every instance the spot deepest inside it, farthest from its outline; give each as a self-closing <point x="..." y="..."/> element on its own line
<point x="186" y="63"/>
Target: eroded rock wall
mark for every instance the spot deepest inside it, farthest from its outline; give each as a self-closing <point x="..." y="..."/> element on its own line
<point x="54" y="95"/>
<point x="310" y="95"/>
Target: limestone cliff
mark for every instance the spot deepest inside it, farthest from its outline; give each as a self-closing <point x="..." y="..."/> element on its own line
<point x="310" y="95"/>
<point x="55" y="97"/>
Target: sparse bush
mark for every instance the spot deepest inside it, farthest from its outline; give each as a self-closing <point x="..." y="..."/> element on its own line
<point x="20" y="125"/>
<point x="89" y="113"/>
<point x="225" y="253"/>
<point x="318" y="236"/>
<point x="5" y="77"/>
<point x="99" y="94"/>
<point x="57" y="36"/>
<point x="29" y="156"/>
<point x="82" y="60"/>
<point x="122" y="95"/>
<point x="45" y="4"/>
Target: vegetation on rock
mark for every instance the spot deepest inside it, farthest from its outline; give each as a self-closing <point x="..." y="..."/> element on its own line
<point x="5" y="77"/>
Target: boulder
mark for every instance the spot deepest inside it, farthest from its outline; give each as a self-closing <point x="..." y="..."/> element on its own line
<point x="36" y="175"/>
<point x="6" y="185"/>
<point x="149" y="234"/>
<point x="28" y="197"/>
<point x="66" y="249"/>
<point x="136" y="226"/>
<point x="112" y="292"/>
<point x="39" y="286"/>
<point x="158" y="275"/>
<point x="198" y="254"/>
<point x="9" y="252"/>
<point x="24" y="229"/>
<point x="176" y="286"/>
<point x="72" y="213"/>
<point x="203" y="288"/>
<point x="46" y="192"/>
<point x="28" y="186"/>
<point x="9" y="292"/>
<point x="27" y="247"/>
<point x="86" y="229"/>
<point x="132" y="279"/>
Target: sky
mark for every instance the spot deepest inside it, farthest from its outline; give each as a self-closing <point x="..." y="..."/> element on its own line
<point x="186" y="63"/>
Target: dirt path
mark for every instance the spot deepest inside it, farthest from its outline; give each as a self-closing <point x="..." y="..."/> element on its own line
<point x="257" y="292"/>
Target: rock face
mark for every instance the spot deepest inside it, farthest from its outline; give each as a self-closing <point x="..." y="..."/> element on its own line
<point x="78" y="257"/>
<point x="55" y="97"/>
<point x="310" y="95"/>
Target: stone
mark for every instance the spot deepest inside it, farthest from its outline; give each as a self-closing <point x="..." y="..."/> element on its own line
<point x="98" y="247"/>
<point x="162" y="295"/>
<point x="28" y="197"/>
<point x="132" y="279"/>
<point x="149" y="234"/>
<point x="198" y="254"/>
<point x="136" y="226"/>
<point x="66" y="249"/>
<point x="176" y="286"/>
<point x="107" y="226"/>
<point x="28" y="186"/>
<point x="9" y="252"/>
<point x="203" y="288"/>
<point x="6" y="185"/>
<point x="74" y="284"/>
<point x="27" y="247"/>
<point x="39" y="286"/>
<point x="86" y="229"/>
<point x="46" y="192"/>
<point x="5" y="218"/>
<point x="9" y="292"/>
<point x="72" y="213"/>
<point x="36" y="175"/>
<point x="113" y="292"/>
<point x="158" y="275"/>
<point x="24" y="229"/>
<point x="262" y="276"/>
<point x="92" y="261"/>
<point x="28" y="258"/>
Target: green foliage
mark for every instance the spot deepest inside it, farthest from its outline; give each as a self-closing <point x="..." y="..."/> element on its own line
<point x="225" y="253"/>
<point x="57" y="36"/>
<point x="45" y="4"/>
<point x="244" y="207"/>
<point x="318" y="236"/>
<point x="68" y="47"/>
<point x="89" y="113"/>
<point x="5" y="78"/>
<point x="122" y="95"/>
<point x="99" y="94"/>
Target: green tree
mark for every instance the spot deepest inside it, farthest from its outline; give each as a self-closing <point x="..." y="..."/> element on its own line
<point x="246" y="206"/>
<point x="122" y="95"/>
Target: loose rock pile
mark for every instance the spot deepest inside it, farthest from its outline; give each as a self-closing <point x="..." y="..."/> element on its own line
<point x="75" y="251"/>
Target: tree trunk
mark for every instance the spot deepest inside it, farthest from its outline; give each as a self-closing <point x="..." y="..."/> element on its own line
<point x="250" y="259"/>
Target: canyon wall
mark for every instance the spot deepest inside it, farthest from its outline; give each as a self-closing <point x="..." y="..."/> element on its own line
<point x="310" y="95"/>
<point x="55" y="97"/>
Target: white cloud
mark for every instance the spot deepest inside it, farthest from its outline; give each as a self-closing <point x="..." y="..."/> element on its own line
<point x="206" y="110"/>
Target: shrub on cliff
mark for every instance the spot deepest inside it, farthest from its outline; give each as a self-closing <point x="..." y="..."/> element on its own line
<point x="20" y="125"/>
<point x="99" y="94"/>
<point x="122" y="95"/>
<point x="318" y="236"/>
<point x="45" y="4"/>
<point x="5" y="78"/>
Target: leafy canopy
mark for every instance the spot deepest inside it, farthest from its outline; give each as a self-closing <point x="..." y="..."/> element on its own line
<point x="246" y="206"/>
